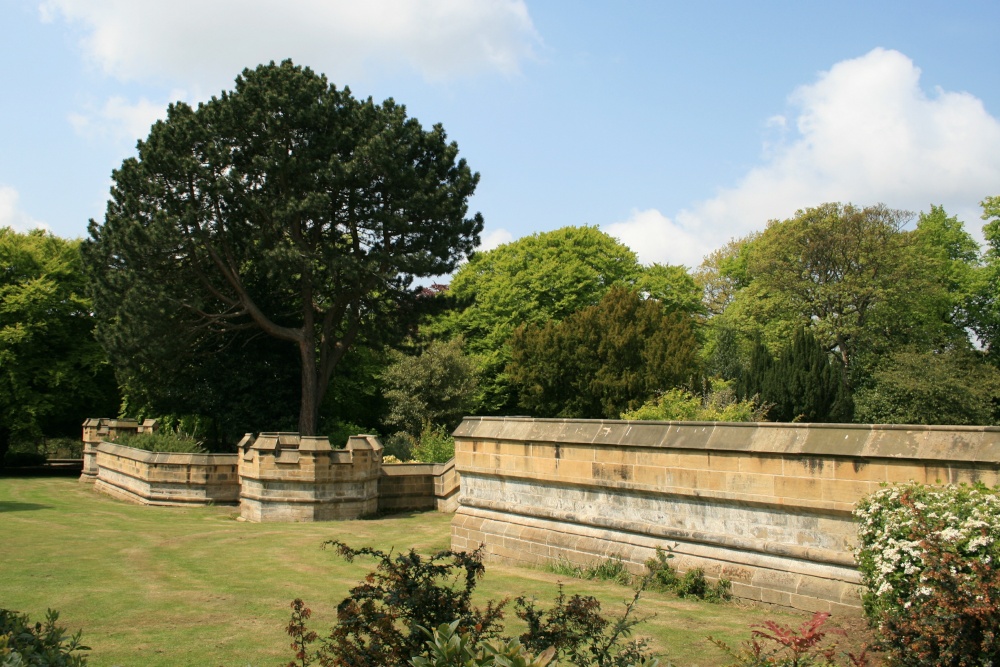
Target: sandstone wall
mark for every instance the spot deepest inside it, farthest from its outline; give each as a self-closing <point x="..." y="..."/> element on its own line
<point x="288" y="477"/>
<point x="159" y="478"/>
<point x="418" y="486"/>
<point x="764" y="505"/>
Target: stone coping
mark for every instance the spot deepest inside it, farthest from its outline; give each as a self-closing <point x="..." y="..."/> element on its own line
<point x="166" y="458"/>
<point x="894" y="441"/>
<point x="401" y="469"/>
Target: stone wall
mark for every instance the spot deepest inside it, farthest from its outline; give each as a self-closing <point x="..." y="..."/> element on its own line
<point x="98" y="430"/>
<point x="767" y="506"/>
<point x="288" y="477"/>
<point x="273" y="477"/>
<point x="161" y="478"/>
<point x="418" y="486"/>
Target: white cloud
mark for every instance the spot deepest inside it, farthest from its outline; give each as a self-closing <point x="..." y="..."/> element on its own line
<point x="656" y="238"/>
<point x="203" y="44"/>
<point x="11" y="214"/>
<point x="864" y="132"/>
<point x="493" y="239"/>
<point x="118" y="119"/>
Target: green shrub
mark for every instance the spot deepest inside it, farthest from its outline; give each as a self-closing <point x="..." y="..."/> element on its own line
<point x="161" y="442"/>
<point x="434" y="446"/>
<point x="449" y="648"/>
<point x="929" y="557"/>
<point x="580" y="634"/>
<point x="380" y="622"/>
<point x="662" y="577"/>
<point x="385" y="620"/>
<point x="399" y="445"/>
<point x="340" y="431"/>
<point x="37" y="644"/>
<point x="717" y="404"/>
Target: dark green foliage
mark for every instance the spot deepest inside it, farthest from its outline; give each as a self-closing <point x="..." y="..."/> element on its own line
<point x="387" y="619"/>
<point x="580" y="634"/>
<point x="944" y="387"/>
<point x="284" y="208"/>
<point x="234" y="384"/>
<point x="538" y="278"/>
<point x="40" y="644"/>
<point x="53" y="374"/>
<point x="803" y="384"/>
<point x="167" y="441"/>
<point x="661" y="576"/>
<point x="437" y="386"/>
<point x="602" y="360"/>
<point x="14" y="459"/>
<point x="379" y="624"/>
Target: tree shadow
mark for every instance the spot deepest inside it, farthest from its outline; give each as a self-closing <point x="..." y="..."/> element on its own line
<point x="12" y="506"/>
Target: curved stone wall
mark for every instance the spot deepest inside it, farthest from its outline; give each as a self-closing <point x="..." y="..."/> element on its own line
<point x="160" y="478"/>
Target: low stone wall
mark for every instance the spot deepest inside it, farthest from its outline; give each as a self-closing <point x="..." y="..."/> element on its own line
<point x="288" y="477"/>
<point x="98" y="430"/>
<point x="160" y="478"/>
<point x="418" y="486"/>
<point x="767" y="506"/>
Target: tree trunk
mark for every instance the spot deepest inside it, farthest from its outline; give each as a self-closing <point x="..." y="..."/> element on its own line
<point x="309" y="407"/>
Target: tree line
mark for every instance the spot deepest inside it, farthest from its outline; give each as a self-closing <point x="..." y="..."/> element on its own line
<point x="258" y="268"/>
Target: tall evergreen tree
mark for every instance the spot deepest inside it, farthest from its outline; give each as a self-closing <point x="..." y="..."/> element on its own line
<point x="602" y="360"/>
<point x="802" y="384"/>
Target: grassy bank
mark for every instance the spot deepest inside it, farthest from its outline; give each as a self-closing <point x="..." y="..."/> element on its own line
<point x="193" y="586"/>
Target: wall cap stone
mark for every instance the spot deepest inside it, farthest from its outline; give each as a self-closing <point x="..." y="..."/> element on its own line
<point x="892" y="441"/>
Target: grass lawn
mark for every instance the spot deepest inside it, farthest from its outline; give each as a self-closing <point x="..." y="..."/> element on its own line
<point x="192" y="586"/>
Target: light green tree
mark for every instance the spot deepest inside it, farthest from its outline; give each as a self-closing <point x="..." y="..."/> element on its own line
<point x="52" y="371"/>
<point x="538" y="278"/>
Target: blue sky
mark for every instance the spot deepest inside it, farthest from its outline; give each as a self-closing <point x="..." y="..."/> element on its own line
<point x="672" y="125"/>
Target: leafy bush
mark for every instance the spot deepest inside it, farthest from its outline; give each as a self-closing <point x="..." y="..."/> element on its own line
<point x="37" y="644"/>
<point x="380" y="622"/>
<point x="400" y="446"/>
<point x="435" y="445"/>
<point x="167" y="441"/>
<point x="385" y="621"/>
<point x="929" y="561"/>
<point x="662" y="577"/>
<point x="774" y="645"/>
<point x="437" y="386"/>
<point x="339" y="432"/>
<point x="447" y="647"/>
<point x="580" y="634"/>
<point x="718" y="403"/>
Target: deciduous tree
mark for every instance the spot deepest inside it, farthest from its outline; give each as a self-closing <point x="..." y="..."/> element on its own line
<point x="52" y="371"/>
<point x="287" y="207"/>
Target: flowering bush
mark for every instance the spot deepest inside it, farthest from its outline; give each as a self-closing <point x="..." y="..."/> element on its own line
<point x="928" y="558"/>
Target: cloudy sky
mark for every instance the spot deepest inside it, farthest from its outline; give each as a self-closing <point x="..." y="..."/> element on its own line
<point x="672" y="125"/>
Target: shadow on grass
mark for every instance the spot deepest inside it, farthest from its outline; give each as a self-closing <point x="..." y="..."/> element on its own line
<point x="11" y="506"/>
